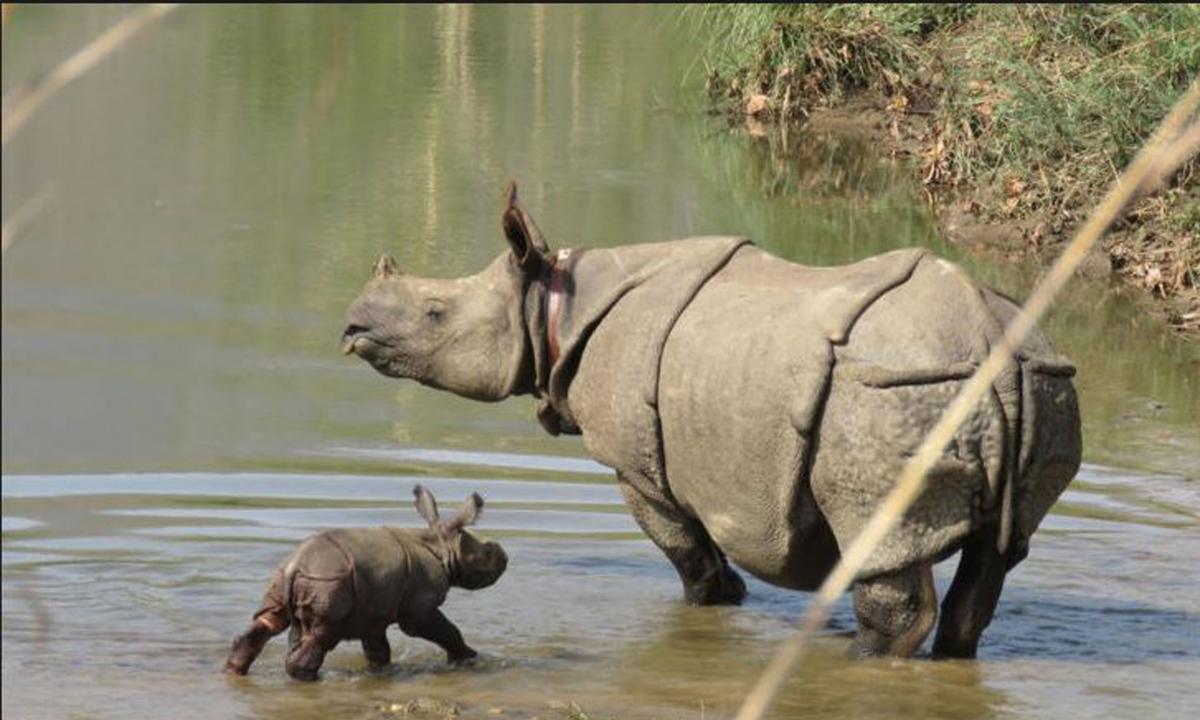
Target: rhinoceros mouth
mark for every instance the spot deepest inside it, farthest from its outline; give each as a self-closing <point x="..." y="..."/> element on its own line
<point x="379" y="354"/>
<point x="361" y="342"/>
<point x="355" y="346"/>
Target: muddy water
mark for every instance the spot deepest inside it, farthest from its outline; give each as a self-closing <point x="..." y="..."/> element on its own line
<point x="175" y="412"/>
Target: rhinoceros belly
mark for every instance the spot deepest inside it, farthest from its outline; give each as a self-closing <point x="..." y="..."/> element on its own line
<point x="733" y="456"/>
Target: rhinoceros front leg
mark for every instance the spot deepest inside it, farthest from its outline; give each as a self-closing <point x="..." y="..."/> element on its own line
<point x="707" y="577"/>
<point x="895" y="611"/>
<point x="377" y="650"/>
<point x="437" y="628"/>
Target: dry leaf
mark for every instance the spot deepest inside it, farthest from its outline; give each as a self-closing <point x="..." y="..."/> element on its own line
<point x="757" y="104"/>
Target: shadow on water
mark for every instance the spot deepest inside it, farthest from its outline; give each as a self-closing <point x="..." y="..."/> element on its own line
<point x="1036" y="625"/>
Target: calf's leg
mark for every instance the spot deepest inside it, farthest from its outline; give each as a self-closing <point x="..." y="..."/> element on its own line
<point x="305" y="659"/>
<point x="895" y="611"/>
<point x="377" y="650"/>
<point x="707" y="577"/>
<point x="268" y="622"/>
<point x="972" y="597"/>
<point x="437" y="628"/>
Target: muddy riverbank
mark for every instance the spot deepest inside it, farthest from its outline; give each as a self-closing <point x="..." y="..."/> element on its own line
<point x="1014" y="120"/>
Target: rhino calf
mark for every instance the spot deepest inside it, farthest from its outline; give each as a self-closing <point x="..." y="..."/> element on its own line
<point x="354" y="583"/>
<point x="757" y="411"/>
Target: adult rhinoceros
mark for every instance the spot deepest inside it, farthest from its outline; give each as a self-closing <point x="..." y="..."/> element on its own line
<point x="759" y="410"/>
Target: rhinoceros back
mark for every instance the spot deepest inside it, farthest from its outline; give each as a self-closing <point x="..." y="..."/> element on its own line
<point x="366" y="571"/>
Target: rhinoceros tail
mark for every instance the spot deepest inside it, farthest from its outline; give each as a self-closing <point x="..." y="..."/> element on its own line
<point x="1050" y="447"/>
<point x="289" y="577"/>
<point x="290" y="570"/>
<point x="1043" y="446"/>
<point x="1003" y="471"/>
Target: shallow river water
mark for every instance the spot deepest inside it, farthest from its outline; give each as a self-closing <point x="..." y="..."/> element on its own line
<point x="176" y="412"/>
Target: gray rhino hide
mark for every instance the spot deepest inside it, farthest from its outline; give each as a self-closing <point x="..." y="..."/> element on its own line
<point x="712" y="363"/>
<point x="373" y="575"/>
<point x="647" y="287"/>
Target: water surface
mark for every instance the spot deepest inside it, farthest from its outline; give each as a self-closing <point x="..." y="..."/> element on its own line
<point x="176" y="413"/>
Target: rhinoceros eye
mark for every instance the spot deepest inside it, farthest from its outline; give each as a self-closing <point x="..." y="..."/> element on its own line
<point x="435" y="312"/>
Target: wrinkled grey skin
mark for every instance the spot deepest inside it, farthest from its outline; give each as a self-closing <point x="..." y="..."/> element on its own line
<point x="758" y="411"/>
<point x="354" y="583"/>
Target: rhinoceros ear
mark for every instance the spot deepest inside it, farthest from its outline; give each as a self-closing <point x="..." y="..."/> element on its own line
<point x="468" y="515"/>
<point x="523" y="235"/>
<point x="426" y="505"/>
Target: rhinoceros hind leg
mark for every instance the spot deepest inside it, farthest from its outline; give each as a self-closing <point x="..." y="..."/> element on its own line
<point x="305" y="659"/>
<point x="706" y="575"/>
<point x="895" y="611"/>
<point x="972" y="597"/>
<point x="267" y="623"/>
<point x="377" y="650"/>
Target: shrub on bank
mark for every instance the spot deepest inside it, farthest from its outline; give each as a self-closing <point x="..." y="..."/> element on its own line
<point x="1033" y="109"/>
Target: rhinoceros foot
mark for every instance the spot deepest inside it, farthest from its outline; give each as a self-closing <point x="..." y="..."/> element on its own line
<point x="725" y="589"/>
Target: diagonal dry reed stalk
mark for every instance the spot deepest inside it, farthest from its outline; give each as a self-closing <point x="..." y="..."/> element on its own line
<point x="1176" y="140"/>
<point x="27" y="214"/>
<point x="23" y="102"/>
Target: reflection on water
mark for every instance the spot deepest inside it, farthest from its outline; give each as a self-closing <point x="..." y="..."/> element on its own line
<point x="176" y="414"/>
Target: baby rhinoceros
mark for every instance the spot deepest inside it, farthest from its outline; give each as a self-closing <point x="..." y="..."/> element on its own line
<point x="354" y="583"/>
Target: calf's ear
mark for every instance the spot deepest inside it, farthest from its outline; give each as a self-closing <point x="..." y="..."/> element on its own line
<point x="468" y="514"/>
<point x="426" y="505"/>
<point x="524" y="237"/>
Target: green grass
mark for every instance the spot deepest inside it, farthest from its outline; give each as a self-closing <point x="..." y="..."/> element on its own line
<point x="814" y="54"/>
<point x="1040" y="105"/>
<point x="1077" y="85"/>
<point x="1033" y="83"/>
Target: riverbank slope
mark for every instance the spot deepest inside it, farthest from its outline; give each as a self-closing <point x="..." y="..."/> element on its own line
<point x="1016" y="118"/>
